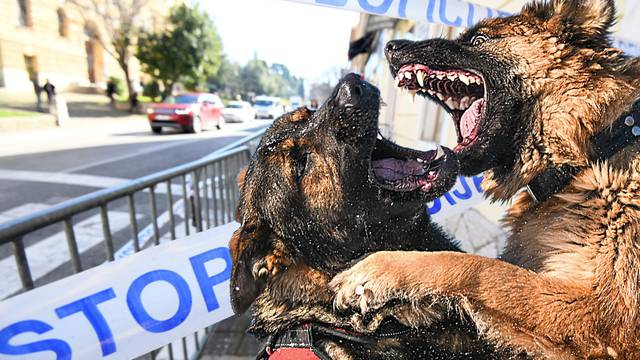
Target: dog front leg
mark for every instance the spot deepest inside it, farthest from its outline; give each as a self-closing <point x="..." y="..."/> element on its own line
<point x="510" y="305"/>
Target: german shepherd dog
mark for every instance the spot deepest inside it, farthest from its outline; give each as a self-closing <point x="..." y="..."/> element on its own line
<point x="529" y="94"/>
<point x="322" y="190"/>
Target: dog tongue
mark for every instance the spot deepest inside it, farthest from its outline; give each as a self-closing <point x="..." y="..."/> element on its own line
<point x="393" y="169"/>
<point x="470" y="118"/>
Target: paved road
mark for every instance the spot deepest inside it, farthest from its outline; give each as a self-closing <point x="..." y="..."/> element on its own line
<point x="44" y="167"/>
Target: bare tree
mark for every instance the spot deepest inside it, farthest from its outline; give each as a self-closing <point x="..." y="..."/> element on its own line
<point x="117" y="30"/>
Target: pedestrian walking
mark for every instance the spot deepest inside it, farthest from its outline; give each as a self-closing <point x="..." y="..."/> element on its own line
<point x="51" y="92"/>
<point x="38" y="91"/>
<point x="133" y="99"/>
<point x="111" y="91"/>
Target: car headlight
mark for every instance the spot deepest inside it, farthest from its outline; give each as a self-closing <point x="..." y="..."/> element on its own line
<point x="183" y="111"/>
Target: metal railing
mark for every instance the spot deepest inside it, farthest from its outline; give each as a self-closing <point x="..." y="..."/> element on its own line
<point x="197" y="196"/>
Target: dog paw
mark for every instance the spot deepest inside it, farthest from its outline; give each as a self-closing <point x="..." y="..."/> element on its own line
<point x="370" y="284"/>
<point x="270" y="265"/>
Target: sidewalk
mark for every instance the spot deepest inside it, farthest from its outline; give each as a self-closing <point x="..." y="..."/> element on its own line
<point x="84" y="109"/>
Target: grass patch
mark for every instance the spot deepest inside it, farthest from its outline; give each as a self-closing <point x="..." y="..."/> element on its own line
<point x="4" y="112"/>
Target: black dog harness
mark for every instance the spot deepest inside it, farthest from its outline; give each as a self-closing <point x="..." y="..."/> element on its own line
<point x="622" y="133"/>
<point x="299" y="343"/>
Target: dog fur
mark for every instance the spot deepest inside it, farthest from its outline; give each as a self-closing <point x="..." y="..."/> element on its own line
<point x="310" y="207"/>
<point x="567" y="284"/>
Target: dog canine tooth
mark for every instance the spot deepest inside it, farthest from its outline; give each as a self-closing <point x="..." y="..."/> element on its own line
<point x="400" y="75"/>
<point x="407" y="74"/>
<point x="412" y="96"/>
<point x="420" y="77"/>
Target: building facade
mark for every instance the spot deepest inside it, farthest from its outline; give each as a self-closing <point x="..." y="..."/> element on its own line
<point x="56" y="40"/>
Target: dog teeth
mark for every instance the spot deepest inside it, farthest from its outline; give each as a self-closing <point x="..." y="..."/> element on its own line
<point x="452" y="76"/>
<point x="439" y="154"/>
<point x="464" y="79"/>
<point x="420" y="77"/>
<point x="440" y="76"/>
<point x="407" y="74"/>
<point x="451" y="103"/>
<point x="412" y="95"/>
<point x="400" y="76"/>
<point x="431" y="92"/>
<point x="465" y="102"/>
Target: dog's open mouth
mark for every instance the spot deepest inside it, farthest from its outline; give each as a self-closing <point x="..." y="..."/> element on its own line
<point x="401" y="169"/>
<point x="460" y="92"/>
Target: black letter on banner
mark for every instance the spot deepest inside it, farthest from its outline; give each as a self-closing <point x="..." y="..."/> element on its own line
<point x="89" y="307"/>
<point x="59" y="347"/>
<point x="207" y="282"/>
<point x="142" y="316"/>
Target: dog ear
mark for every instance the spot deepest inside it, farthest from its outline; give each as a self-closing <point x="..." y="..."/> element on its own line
<point x="583" y="22"/>
<point x="247" y="246"/>
<point x="240" y="180"/>
<point x="591" y="19"/>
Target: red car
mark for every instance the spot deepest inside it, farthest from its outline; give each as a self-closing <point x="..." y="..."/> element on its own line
<point x="190" y="112"/>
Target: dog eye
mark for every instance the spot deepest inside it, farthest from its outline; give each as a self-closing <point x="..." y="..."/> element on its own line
<point x="478" y="39"/>
<point x="301" y="166"/>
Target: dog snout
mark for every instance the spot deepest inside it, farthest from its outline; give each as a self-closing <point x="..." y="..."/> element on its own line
<point x="393" y="46"/>
<point x="353" y="90"/>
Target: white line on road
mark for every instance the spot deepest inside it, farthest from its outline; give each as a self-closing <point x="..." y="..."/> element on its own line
<point x="21" y="210"/>
<point x="75" y="179"/>
<point x="47" y="254"/>
<point x="125" y="156"/>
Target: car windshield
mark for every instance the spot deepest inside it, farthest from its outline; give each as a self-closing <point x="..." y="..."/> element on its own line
<point x="181" y="99"/>
<point x="234" y="106"/>
<point x="264" y="102"/>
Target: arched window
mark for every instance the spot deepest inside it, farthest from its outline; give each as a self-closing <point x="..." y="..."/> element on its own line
<point x="24" y="7"/>
<point x="63" y="23"/>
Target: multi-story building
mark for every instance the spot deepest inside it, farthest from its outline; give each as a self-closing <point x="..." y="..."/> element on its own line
<point x="57" y="40"/>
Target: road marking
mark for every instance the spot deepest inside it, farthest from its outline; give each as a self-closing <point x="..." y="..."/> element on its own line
<point x="49" y="253"/>
<point x="75" y="179"/>
<point x="126" y="156"/>
<point x="60" y="178"/>
<point x="21" y="210"/>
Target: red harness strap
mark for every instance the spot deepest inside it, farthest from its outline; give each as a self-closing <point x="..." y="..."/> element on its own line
<point x="293" y="354"/>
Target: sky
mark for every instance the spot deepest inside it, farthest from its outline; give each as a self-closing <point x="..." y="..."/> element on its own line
<point x="308" y="39"/>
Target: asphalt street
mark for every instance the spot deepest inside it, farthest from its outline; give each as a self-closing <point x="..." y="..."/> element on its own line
<point x="40" y="168"/>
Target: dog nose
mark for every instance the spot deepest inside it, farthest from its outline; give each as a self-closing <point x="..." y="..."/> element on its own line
<point x="352" y="90"/>
<point x="393" y="46"/>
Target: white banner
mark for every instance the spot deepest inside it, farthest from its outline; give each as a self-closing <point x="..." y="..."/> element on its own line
<point x="456" y="13"/>
<point x="125" y="308"/>
<point x="465" y="194"/>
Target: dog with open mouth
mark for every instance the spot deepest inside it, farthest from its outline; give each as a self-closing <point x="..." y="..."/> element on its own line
<point x="547" y="109"/>
<point x="323" y="189"/>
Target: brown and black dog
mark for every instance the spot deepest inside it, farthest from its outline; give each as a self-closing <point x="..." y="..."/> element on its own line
<point x="322" y="190"/>
<point x="528" y="94"/>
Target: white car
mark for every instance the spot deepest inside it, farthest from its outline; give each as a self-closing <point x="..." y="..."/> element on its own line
<point x="238" y="111"/>
<point x="268" y="107"/>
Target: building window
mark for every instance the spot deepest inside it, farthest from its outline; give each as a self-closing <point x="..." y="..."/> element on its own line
<point x="25" y="12"/>
<point x="63" y="23"/>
